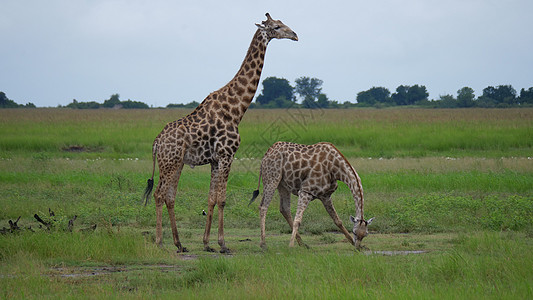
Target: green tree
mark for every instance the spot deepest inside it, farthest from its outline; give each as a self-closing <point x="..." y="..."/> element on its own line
<point x="409" y="95"/>
<point x="276" y="90"/>
<point x="83" y="105"/>
<point x="502" y="95"/>
<point x="192" y="104"/>
<point x="309" y="89"/>
<point x="526" y="96"/>
<point x="417" y="94"/>
<point x="400" y="97"/>
<point x="323" y="101"/>
<point x="465" y="97"/>
<point x="309" y="102"/>
<point x="374" y="95"/>
<point x="112" y="101"/>
<point x="133" y="104"/>
<point x="6" y="102"/>
<point x="447" y="101"/>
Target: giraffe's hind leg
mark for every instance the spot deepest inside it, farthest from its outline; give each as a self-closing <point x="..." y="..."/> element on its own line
<point x="271" y="172"/>
<point x="159" y="215"/>
<point x="166" y="193"/>
<point x="285" y="209"/>
<point x="268" y="193"/>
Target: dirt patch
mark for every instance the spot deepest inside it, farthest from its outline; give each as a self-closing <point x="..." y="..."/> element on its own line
<point x="80" y="148"/>
<point x="80" y="272"/>
<point x="74" y="148"/>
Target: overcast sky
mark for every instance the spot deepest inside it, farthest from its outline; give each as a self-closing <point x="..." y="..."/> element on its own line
<point x="163" y="51"/>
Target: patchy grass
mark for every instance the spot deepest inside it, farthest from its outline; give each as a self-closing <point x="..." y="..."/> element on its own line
<point x="455" y="184"/>
<point x="480" y="264"/>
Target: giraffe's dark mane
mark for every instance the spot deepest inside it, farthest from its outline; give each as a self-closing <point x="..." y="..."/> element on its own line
<point x="357" y="179"/>
<point x="243" y="85"/>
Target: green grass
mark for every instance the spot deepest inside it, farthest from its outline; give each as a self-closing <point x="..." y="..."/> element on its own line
<point x="110" y="191"/>
<point x="465" y="271"/>
<point x="493" y="265"/>
<point x="357" y="132"/>
<point x="454" y="183"/>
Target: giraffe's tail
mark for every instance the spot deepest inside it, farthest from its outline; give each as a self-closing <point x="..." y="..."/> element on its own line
<point x="150" y="183"/>
<point x="256" y="192"/>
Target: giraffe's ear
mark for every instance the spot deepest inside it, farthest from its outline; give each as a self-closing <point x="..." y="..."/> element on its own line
<point x="261" y="26"/>
<point x="353" y="219"/>
<point x="369" y="221"/>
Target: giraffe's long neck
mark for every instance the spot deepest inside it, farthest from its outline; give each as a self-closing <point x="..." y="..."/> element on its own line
<point x="239" y="92"/>
<point x="351" y="178"/>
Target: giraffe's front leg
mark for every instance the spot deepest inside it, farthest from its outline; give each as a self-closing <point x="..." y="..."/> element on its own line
<point x="224" y="169"/>
<point x="211" y="202"/>
<point x="285" y="209"/>
<point x="303" y="201"/>
<point x="328" y="204"/>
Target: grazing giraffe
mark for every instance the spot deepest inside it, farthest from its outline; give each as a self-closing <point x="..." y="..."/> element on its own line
<point x="310" y="172"/>
<point x="209" y="135"/>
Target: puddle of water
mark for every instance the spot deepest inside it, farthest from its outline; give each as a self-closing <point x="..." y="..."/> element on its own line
<point x="84" y="272"/>
<point x="188" y="256"/>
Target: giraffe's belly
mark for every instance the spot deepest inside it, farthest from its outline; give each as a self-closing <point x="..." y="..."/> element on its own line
<point x="292" y="187"/>
<point x="314" y="186"/>
<point x="198" y="156"/>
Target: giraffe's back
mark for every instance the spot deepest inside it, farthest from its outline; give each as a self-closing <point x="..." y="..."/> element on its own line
<point x="311" y="168"/>
<point x="203" y="139"/>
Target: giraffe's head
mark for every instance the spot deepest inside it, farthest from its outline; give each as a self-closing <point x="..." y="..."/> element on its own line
<point x="359" y="230"/>
<point x="275" y="29"/>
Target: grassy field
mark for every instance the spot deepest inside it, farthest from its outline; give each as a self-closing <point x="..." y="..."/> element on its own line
<point x="358" y="133"/>
<point x="455" y="186"/>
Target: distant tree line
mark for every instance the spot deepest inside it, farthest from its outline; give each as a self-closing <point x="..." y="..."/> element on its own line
<point x="192" y="104"/>
<point x="279" y="93"/>
<point x="112" y="102"/>
<point x="501" y="96"/>
<point x="8" y="103"/>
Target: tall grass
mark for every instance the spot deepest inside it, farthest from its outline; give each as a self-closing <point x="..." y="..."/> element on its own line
<point x="358" y="132"/>
<point x="101" y="246"/>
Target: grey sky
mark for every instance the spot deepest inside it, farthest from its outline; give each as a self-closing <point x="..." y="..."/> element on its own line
<point x="163" y="51"/>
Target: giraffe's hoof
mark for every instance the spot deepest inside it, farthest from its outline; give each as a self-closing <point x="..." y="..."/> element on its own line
<point x="362" y="248"/>
<point x="225" y="250"/>
<point x="209" y="249"/>
<point x="182" y="250"/>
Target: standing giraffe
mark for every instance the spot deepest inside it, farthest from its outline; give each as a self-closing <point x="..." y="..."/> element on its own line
<point x="209" y="135"/>
<point x="310" y="172"/>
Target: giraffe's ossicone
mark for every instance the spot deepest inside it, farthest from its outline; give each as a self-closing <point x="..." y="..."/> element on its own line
<point x="210" y="135"/>
<point x="309" y="172"/>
